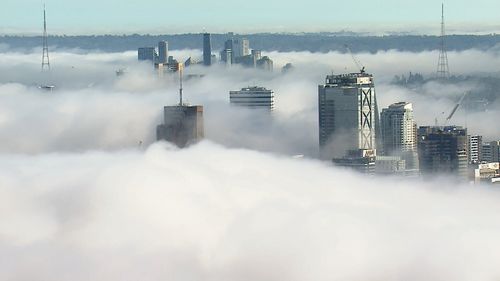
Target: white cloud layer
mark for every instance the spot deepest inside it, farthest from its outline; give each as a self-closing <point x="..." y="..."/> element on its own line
<point x="212" y="213"/>
<point x="79" y="200"/>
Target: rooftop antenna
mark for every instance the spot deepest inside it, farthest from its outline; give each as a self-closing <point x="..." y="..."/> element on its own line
<point x="181" y="68"/>
<point x="443" y="71"/>
<point x="45" y="54"/>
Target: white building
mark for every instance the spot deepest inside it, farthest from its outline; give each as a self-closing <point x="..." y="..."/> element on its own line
<point x="474" y="143"/>
<point x="348" y="114"/>
<point x="255" y="97"/>
<point x="487" y="173"/>
<point x="399" y="133"/>
<point x="241" y="47"/>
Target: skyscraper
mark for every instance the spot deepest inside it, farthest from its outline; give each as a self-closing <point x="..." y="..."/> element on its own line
<point x="163" y="52"/>
<point x="207" y="50"/>
<point x="348" y="114"/>
<point x="147" y="53"/>
<point x="255" y="97"/>
<point x="182" y="125"/>
<point x="474" y="143"/>
<point x="443" y="151"/>
<point x="399" y="133"/>
<point x="241" y="47"/>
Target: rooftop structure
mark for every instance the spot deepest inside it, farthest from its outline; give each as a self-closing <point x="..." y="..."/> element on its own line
<point x="255" y="97"/>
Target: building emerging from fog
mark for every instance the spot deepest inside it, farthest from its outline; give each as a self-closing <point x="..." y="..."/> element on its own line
<point x="147" y="53"/>
<point x="254" y="97"/>
<point x="443" y="151"/>
<point x="348" y="115"/>
<point x="182" y="125"/>
<point x="207" y="50"/>
<point x="399" y="134"/>
<point x="474" y="143"/>
<point x="163" y="52"/>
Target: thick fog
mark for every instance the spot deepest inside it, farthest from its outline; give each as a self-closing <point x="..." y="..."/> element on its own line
<point x="87" y="194"/>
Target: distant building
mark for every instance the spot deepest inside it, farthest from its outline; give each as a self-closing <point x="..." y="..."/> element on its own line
<point x="255" y="97"/>
<point x="348" y="114"/>
<point x="490" y="152"/>
<point x="487" y="173"/>
<point x="443" y="151"/>
<point x="287" y="68"/>
<point x="147" y="53"/>
<point x="390" y="165"/>
<point x="163" y="52"/>
<point x="183" y="125"/>
<point x="265" y="63"/>
<point x="361" y="160"/>
<point x="474" y="143"/>
<point x="226" y="56"/>
<point x="241" y="47"/>
<point x="207" y="50"/>
<point x="399" y="133"/>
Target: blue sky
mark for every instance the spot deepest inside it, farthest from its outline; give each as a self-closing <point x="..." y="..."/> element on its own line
<point x="174" y="16"/>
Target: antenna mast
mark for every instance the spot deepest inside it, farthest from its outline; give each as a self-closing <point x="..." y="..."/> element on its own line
<point x="443" y="70"/>
<point x="45" y="54"/>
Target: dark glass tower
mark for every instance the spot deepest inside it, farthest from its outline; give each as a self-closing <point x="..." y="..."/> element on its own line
<point x="207" y="50"/>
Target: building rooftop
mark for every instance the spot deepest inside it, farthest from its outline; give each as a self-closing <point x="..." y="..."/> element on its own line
<point x="349" y="79"/>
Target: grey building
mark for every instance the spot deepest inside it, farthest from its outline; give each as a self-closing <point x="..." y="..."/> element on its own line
<point x="226" y="56"/>
<point x="254" y="97"/>
<point x="348" y="114"/>
<point x="147" y="53"/>
<point x="443" y="151"/>
<point x="361" y="160"/>
<point x="399" y="133"/>
<point x="490" y="152"/>
<point x="163" y="52"/>
<point x="182" y="125"/>
<point x="207" y="50"/>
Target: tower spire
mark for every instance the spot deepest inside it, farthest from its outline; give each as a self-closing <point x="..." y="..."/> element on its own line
<point x="45" y="54"/>
<point x="443" y="70"/>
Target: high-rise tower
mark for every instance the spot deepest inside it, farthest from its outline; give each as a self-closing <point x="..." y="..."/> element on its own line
<point x="207" y="50"/>
<point x="45" y="54"/>
<point x="399" y="133"/>
<point x="443" y="70"/>
<point x="348" y="114"/>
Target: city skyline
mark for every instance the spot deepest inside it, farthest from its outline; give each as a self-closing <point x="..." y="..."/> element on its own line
<point x="148" y="17"/>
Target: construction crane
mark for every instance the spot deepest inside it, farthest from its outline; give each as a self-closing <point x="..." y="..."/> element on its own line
<point x="456" y="107"/>
<point x="360" y="66"/>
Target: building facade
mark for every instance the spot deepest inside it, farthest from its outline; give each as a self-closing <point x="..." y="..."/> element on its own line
<point x="207" y="50"/>
<point x="475" y="145"/>
<point x="254" y="97"/>
<point x="348" y="114"/>
<point x="399" y="133"/>
<point x="182" y="125"/>
<point x="443" y="151"/>
<point x="147" y="53"/>
<point x="163" y="52"/>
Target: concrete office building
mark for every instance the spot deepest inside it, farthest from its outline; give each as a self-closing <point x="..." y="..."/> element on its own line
<point x="182" y="125"/>
<point x="147" y="53"/>
<point x="474" y="143"/>
<point x="348" y="114"/>
<point x="207" y="50"/>
<point x="490" y="152"/>
<point x="443" y="151"/>
<point x="399" y="133"/>
<point x="254" y="97"/>
<point x="163" y="52"/>
<point x="226" y="56"/>
<point x="361" y="160"/>
<point x="241" y="47"/>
